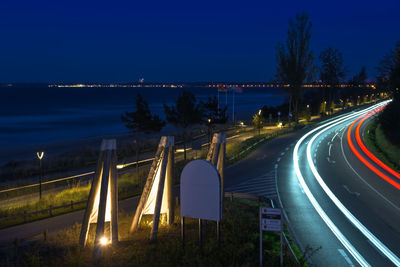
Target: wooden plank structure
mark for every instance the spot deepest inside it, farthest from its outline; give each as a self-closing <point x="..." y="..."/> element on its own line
<point x="102" y="205"/>
<point x="157" y="195"/>
<point x="216" y="155"/>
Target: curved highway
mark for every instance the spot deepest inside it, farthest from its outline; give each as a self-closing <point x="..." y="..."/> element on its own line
<point x="339" y="196"/>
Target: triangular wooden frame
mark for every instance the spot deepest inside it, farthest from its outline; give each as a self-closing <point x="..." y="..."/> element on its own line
<point x="104" y="189"/>
<point x="163" y="165"/>
<point x="216" y="155"/>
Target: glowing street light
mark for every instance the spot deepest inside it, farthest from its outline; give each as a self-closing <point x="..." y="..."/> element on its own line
<point x="104" y="241"/>
<point x="40" y="157"/>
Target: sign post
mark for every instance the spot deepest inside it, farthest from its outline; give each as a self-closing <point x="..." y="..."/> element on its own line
<point x="271" y="220"/>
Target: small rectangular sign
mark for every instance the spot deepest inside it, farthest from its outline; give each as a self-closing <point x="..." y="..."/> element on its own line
<point x="270" y="219"/>
<point x="270" y="211"/>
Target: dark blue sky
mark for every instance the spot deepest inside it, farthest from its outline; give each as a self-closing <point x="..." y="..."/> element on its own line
<point x="120" y="41"/>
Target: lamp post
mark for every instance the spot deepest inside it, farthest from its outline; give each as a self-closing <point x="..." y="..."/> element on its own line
<point x="209" y="131"/>
<point x="40" y="157"/>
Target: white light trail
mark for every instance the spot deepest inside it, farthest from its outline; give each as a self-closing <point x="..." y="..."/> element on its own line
<point x="382" y="248"/>
<point x="350" y="248"/>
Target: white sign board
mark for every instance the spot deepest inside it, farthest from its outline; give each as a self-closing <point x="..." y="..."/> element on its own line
<point x="201" y="191"/>
<point x="270" y="220"/>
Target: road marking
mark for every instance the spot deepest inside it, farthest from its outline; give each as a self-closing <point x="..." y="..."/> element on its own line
<point x="310" y="196"/>
<point x="261" y="158"/>
<point x="329" y="152"/>
<point x="278" y="159"/>
<point x="343" y="253"/>
<point x="351" y="192"/>
<point x="283" y="153"/>
<point x="362" y="179"/>
<point x="334" y="136"/>
<point x="330" y="161"/>
<point x="263" y="185"/>
<point x="287" y="149"/>
<point x="378" y="244"/>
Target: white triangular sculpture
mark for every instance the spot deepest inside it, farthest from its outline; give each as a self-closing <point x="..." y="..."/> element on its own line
<point x="157" y="195"/>
<point x="102" y="203"/>
<point x="216" y="155"/>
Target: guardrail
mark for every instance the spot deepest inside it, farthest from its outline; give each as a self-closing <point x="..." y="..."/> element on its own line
<point x="49" y="210"/>
<point x="120" y="166"/>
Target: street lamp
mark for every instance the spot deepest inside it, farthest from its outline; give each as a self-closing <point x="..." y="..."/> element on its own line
<point x="40" y="157"/>
<point x="104" y="241"/>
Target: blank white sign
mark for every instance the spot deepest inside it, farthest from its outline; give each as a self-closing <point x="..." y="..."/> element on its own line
<point x="201" y="191"/>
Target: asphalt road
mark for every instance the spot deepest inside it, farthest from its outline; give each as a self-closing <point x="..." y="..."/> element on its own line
<point x="360" y="204"/>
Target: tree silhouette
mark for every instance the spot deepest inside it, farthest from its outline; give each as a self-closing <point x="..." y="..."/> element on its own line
<point x="213" y="115"/>
<point x="389" y="117"/>
<point x="386" y="68"/>
<point x="258" y="122"/>
<point x="332" y="72"/>
<point x="141" y="121"/>
<point x="294" y="61"/>
<point x="360" y="78"/>
<point x="185" y="113"/>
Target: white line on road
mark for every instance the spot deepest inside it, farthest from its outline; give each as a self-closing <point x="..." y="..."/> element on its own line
<point x="334" y="136"/>
<point x="365" y="182"/>
<point x="278" y="159"/>
<point x="329" y="152"/>
<point x="378" y="244"/>
<point x="343" y="253"/>
<point x="330" y="161"/>
<point x="351" y="192"/>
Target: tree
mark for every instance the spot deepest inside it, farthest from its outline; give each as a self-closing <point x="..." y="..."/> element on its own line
<point x="389" y="117"/>
<point x="360" y="78"/>
<point x="258" y="121"/>
<point x="395" y="74"/>
<point x="186" y="112"/>
<point x="213" y="114"/>
<point x="141" y="121"/>
<point x="386" y="68"/>
<point x="294" y="62"/>
<point x="332" y="72"/>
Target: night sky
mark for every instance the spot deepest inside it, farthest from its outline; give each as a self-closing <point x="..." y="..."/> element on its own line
<point x="120" y="41"/>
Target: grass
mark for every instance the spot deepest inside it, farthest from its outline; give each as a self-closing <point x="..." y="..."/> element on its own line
<point x="381" y="147"/>
<point x="128" y="186"/>
<point x="239" y="244"/>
